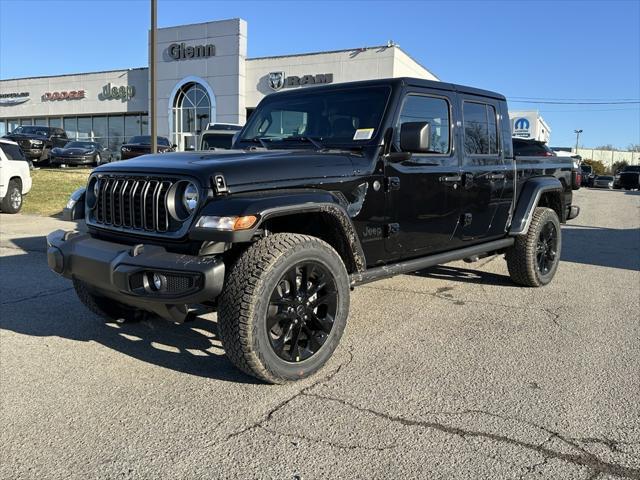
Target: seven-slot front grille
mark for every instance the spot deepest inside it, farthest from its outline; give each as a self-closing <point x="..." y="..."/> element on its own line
<point x="136" y="203"/>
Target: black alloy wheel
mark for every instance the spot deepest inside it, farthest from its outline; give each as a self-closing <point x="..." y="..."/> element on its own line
<point x="547" y="248"/>
<point x="301" y="313"/>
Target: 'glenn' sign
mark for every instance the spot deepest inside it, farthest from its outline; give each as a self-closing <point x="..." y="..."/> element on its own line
<point x="180" y="51"/>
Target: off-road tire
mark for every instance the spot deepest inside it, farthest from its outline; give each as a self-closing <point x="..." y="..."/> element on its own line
<point x="244" y="301"/>
<point x="105" y="308"/>
<point x="521" y="257"/>
<point x="14" y="188"/>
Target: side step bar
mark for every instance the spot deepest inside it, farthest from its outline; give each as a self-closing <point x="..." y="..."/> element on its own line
<point x="378" y="273"/>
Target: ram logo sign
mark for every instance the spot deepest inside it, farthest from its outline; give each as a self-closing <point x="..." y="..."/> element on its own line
<point x="522" y="128"/>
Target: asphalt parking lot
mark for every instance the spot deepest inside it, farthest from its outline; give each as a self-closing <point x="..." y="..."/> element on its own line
<point x="450" y="373"/>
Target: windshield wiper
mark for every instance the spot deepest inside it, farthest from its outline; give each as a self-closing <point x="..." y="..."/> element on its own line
<point x="259" y="140"/>
<point x="315" y="141"/>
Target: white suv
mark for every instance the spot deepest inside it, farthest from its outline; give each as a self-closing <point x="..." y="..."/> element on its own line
<point x="15" y="179"/>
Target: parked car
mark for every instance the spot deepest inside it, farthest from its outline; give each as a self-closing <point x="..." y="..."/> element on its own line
<point x="81" y="152"/>
<point x="219" y="136"/>
<point x="603" y="181"/>
<point x="587" y="175"/>
<point x="337" y="186"/>
<point x="531" y="148"/>
<point x="630" y="177"/>
<point x="141" y="145"/>
<point x="37" y="141"/>
<point x="15" y="178"/>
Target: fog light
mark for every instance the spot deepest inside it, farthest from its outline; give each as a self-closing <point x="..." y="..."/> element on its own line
<point x="159" y="281"/>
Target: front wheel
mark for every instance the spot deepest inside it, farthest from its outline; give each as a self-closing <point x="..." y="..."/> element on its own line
<point x="103" y="307"/>
<point x="98" y="160"/>
<point x="534" y="258"/>
<point x="284" y="307"/>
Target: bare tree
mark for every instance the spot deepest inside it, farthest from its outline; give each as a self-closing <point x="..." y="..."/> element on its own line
<point x="606" y="147"/>
<point x="634" y="147"/>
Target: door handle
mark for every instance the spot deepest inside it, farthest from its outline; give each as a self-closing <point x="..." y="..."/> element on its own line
<point x="496" y="176"/>
<point x="451" y="179"/>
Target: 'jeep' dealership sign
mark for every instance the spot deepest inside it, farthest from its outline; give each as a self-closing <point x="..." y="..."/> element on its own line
<point x="278" y="80"/>
<point x="180" y="51"/>
<point x="111" y="92"/>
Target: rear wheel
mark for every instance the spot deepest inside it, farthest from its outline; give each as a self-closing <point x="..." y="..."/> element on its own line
<point x="534" y="258"/>
<point x="284" y="307"/>
<point x="106" y="308"/>
<point x="12" y="201"/>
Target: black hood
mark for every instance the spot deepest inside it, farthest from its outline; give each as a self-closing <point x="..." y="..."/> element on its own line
<point x="243" y="168"/>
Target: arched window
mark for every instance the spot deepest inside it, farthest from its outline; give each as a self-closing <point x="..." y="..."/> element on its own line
<point x="191" y="112"/>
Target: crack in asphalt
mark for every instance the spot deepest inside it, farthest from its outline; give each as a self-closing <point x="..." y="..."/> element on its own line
<point x="269" y="415"/>
<point x="554" y="316"/>
<point x="45" y="293"/>
<point x="583" y="459"/>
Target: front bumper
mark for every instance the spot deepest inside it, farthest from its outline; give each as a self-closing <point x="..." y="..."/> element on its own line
<point x="33" y="153"/>
<point x="77" y="160"/>
<point x="125" y="273"/>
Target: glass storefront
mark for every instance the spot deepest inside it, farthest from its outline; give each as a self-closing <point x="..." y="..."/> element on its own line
<point x="110" y="130"/>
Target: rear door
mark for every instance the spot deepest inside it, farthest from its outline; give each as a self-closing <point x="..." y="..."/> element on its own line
<point x="423" y="192"/>
<point x="484" y="172"/>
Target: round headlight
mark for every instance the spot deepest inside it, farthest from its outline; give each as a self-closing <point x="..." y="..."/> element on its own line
<point x="190" y="198"/>
<point x="92" y="192"/>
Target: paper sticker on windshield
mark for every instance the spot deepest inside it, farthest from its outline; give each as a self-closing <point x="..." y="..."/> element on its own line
<point x="363" y="134"/>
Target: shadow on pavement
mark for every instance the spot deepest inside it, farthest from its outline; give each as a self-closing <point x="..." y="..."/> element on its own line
<point x="54" y="310"/>
<point x="606" y="247"/>
<point x="465" y="275"/>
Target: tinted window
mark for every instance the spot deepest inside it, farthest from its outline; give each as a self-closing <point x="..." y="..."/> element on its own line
<point x="32" y="130"/>
<point x="480" y="129"/>
<point x="212" y="140"/>
<point x="527" y="149"/>
<point x="418" y="108"/>
<point x="12" y="151"/>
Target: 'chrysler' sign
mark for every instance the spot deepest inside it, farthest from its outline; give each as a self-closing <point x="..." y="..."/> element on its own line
<point x="13" y="98"/>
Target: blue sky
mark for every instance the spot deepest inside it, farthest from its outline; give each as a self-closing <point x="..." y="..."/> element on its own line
<point x="584" y="50"/>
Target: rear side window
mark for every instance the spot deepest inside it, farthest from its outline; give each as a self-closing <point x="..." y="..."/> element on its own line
<point x="419" y="108"/>
<point x="480" y="129"/>
<point x="12" y="152"/>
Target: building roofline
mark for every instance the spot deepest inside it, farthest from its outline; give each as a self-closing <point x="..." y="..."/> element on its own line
<point x="74" y="74"/>
<point x="343" y="50"/>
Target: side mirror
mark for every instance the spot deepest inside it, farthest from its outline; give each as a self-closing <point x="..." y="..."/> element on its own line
<point x="415" y="137"/>
<point x="174" y="146"/>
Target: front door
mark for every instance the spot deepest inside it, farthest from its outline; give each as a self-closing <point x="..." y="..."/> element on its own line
<point x="484" y="172"/>
<point x="423" y="193"/>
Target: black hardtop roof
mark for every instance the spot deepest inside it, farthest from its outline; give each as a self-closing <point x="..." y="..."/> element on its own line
<point x="398" y="82"/>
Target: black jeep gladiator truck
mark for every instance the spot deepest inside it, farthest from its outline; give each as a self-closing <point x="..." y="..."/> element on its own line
<point x="37" y="141"/>
<point x="327" y="188"/>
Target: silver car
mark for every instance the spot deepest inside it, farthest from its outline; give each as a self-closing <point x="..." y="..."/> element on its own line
<point x="603" y="181"/>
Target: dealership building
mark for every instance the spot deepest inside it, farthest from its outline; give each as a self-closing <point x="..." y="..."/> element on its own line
<point x="203" y="76"/>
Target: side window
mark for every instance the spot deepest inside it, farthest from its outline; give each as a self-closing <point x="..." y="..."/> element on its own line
<point x="480" y="129"/>
<point x="12" y="152"/>
<point x="419" y="108"/>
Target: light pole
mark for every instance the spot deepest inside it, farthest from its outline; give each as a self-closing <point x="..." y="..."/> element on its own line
<point x="152" y="77"/>
<point x="577" y="132"/>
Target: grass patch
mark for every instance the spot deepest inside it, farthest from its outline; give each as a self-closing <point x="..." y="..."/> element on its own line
<point x="51" y="189"/>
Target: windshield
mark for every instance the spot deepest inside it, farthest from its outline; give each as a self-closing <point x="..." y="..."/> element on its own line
<point x="339" y="117"/>
<point x="32" y="130"/>
<point x="216" y="140"/>
<point x="82" y="145"/>
<point x="146" y="140"/>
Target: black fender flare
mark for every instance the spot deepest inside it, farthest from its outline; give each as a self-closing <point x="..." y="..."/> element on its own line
<point x="269" y="205"/>
<point x="528" y="200"/>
